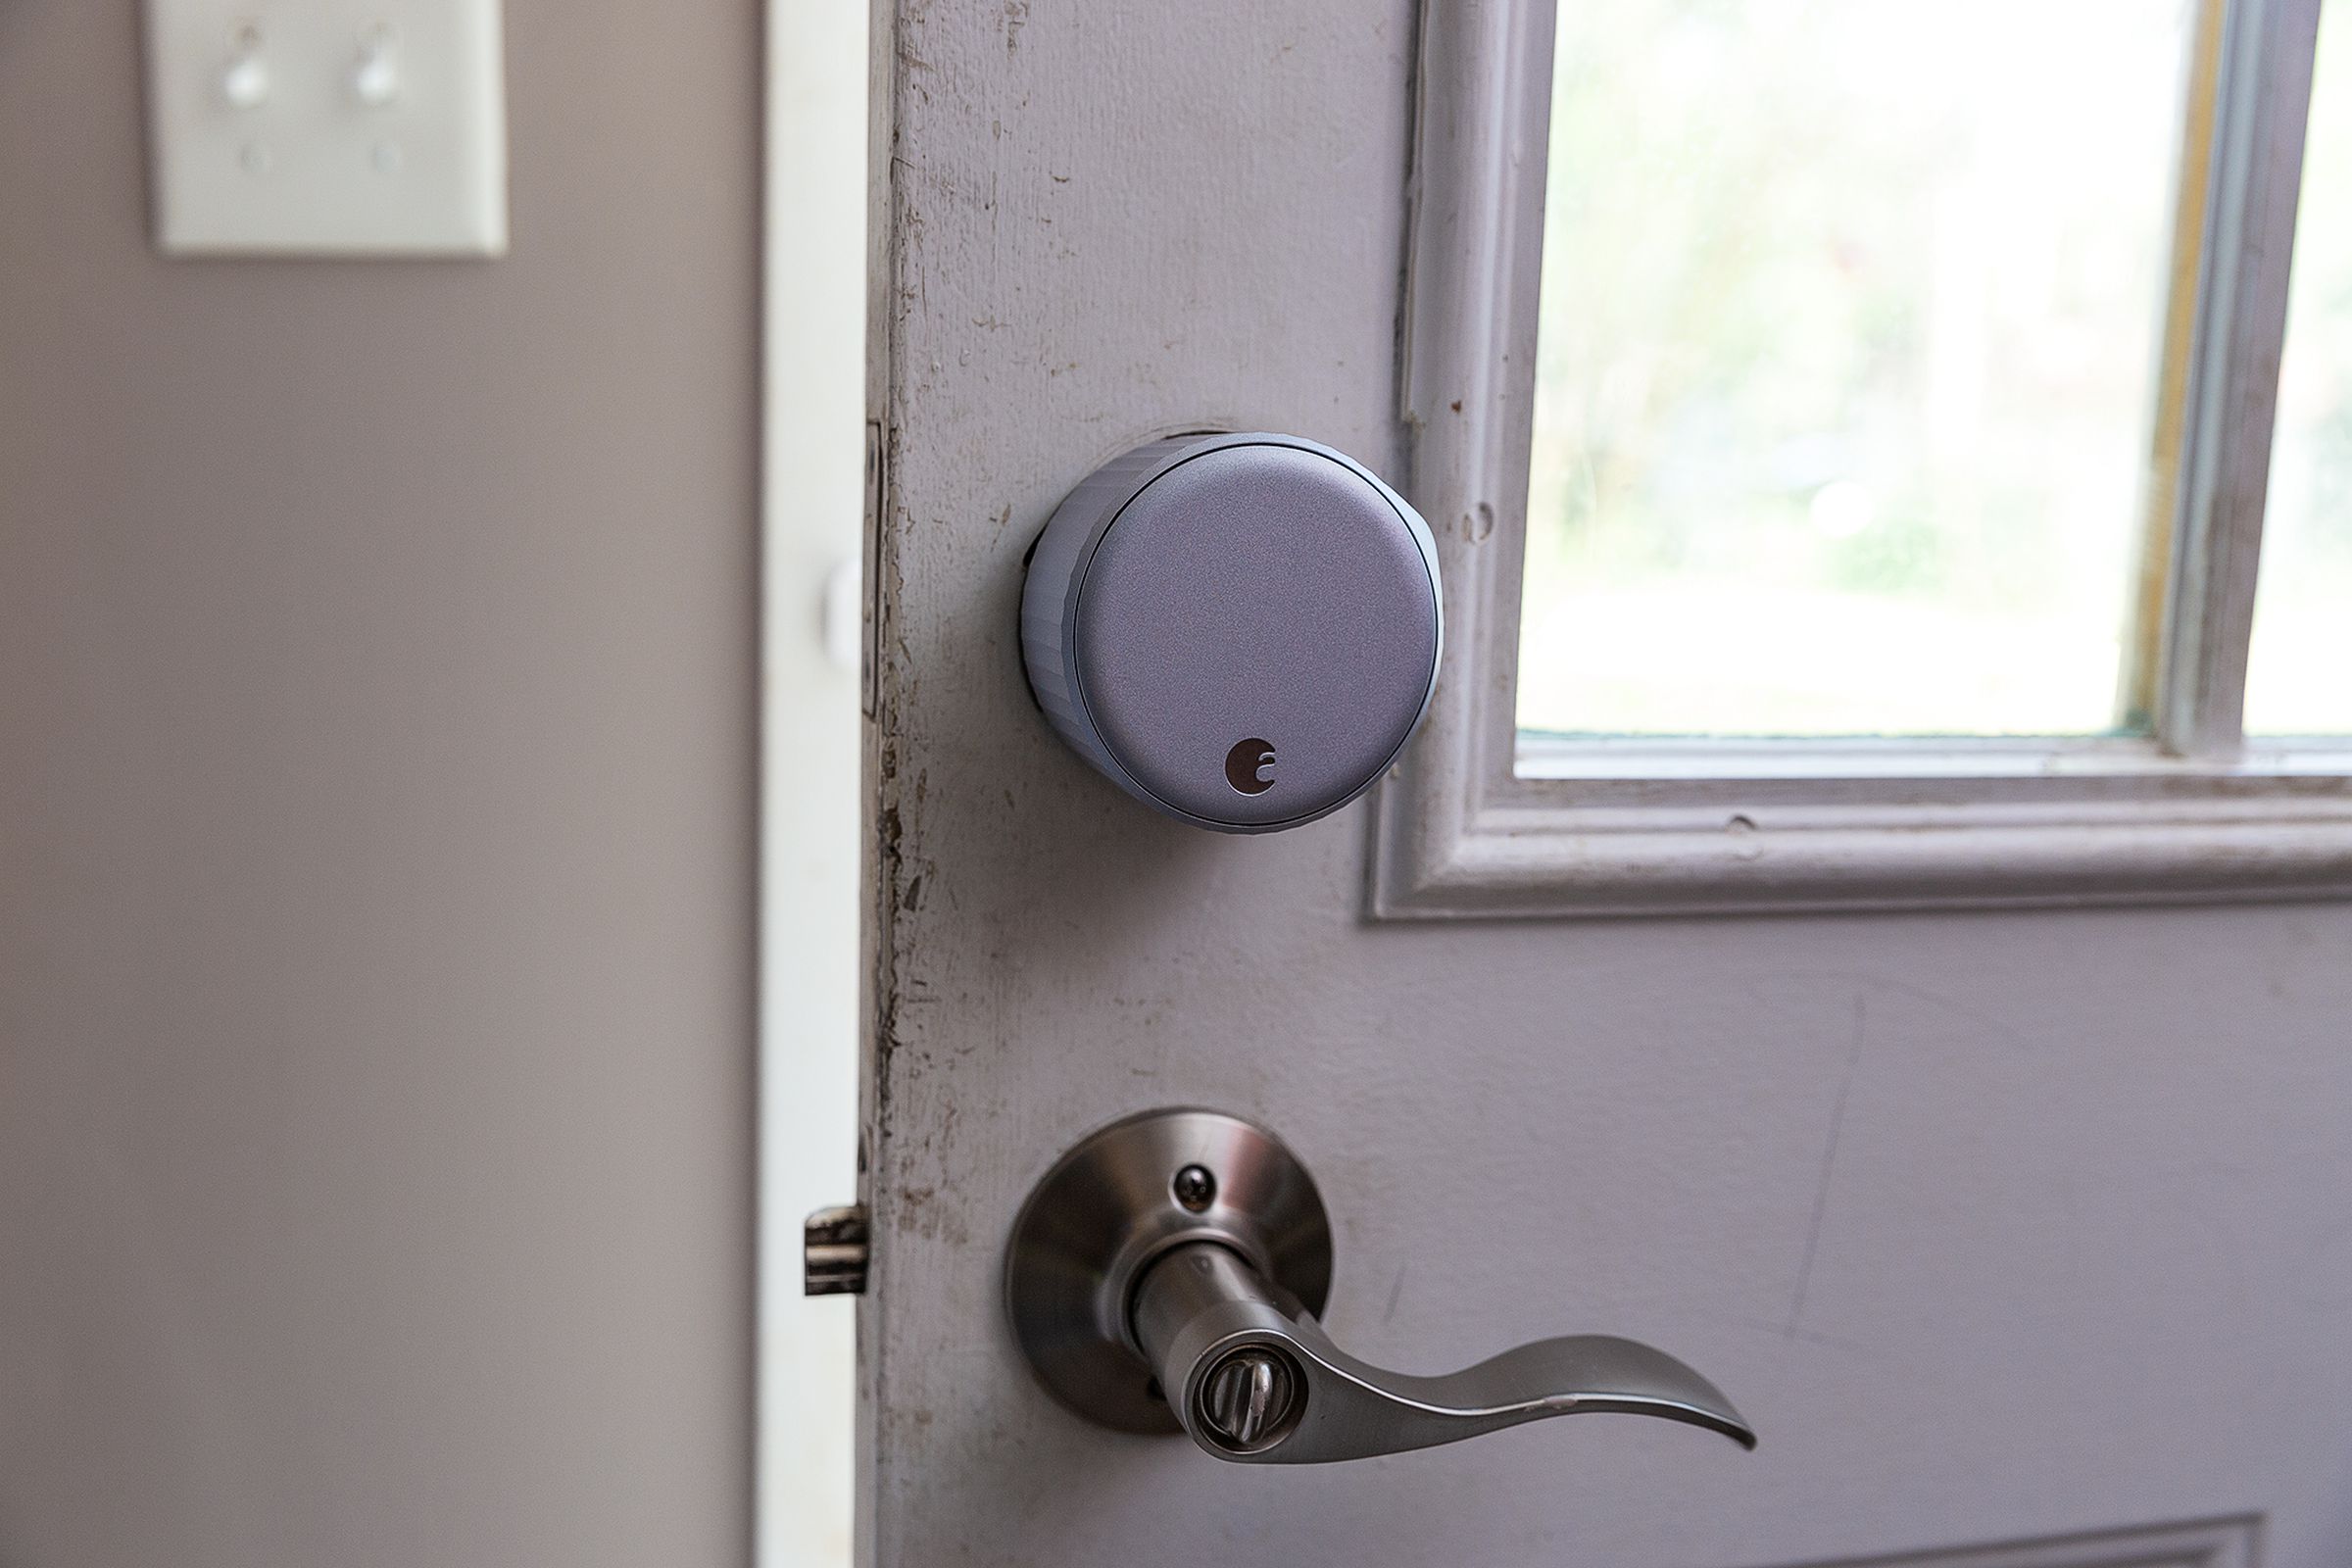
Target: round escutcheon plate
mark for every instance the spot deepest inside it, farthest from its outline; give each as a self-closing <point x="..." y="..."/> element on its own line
<point x="1116" y="1203"/>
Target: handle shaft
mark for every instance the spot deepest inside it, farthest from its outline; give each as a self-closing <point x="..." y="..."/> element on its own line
<point x="1253" y="1378"/>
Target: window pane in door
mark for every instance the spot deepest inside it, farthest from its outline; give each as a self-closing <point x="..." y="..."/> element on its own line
<point x="2299" y="671"/>
<point x="1848" y="351"/>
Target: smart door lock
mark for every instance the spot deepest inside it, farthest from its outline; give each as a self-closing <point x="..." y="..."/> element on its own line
<point x="1241" y="631"/>
<point x="1166" y="1275"/>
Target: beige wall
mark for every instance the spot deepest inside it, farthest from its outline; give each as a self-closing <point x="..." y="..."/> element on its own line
<point x="377" y="685"/>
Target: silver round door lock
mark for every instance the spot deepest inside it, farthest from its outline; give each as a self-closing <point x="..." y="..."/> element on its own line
<point x="1241" y="631"/>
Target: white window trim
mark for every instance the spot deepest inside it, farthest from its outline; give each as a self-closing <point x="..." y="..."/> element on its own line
<point x="1481" y="822"/>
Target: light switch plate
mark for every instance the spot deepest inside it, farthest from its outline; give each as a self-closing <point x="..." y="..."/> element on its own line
<point x="327" y="127"/>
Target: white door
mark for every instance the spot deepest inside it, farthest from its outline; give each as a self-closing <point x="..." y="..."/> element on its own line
<point x="1969" y="1111"/>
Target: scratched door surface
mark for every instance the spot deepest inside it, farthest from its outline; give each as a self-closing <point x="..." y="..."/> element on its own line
<point x="2024" y="1237"/>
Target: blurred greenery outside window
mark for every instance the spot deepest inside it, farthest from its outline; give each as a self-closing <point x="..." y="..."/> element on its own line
<point x="1862" y="368"/>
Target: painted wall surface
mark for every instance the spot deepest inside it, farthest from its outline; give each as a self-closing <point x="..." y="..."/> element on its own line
<point x="377" y="771"/>
<point x="1999" y="1226"/>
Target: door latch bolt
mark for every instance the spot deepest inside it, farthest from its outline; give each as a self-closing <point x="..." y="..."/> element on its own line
<point x="834" y="1248"/>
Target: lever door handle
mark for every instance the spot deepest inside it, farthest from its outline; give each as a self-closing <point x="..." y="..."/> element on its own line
<point x="1253" y="1377"/>
<point x="1166" y="1274"/>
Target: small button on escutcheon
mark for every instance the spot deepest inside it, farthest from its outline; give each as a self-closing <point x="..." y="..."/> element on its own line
<point x="1195" y="1188"/>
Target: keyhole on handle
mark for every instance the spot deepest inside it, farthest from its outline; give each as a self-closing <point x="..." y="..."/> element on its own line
<point x="1251" y="1399"/>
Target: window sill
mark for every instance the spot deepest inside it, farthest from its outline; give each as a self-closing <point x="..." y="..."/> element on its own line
<point x="1641" y="763"/>
<point x="1968" y="827"/>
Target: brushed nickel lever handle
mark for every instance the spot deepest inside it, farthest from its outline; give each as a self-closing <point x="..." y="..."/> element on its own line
<point x="1166" y="1276"/>
<point x="1253" y="1377"/>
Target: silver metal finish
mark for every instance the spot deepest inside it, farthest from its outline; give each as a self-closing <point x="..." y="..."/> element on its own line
<point x="1196" y="1188"/>
<point x="1250" y="1399"/>
<point x="834" y="1250"/>
<point x="1239" y="630"/>
<point x="1109" y="1208"/>
<point x="1119" y="1292"/>
<point x="1255" y="1379"/>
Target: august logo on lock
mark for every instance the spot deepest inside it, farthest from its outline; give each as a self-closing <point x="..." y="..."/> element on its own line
<point x="1249" y="766"/>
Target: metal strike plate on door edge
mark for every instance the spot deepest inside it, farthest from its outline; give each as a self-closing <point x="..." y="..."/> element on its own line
<point x="1167" y="1273"/>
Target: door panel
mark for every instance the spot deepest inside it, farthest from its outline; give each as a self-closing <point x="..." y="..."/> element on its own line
<point x="2002" y="1228"/>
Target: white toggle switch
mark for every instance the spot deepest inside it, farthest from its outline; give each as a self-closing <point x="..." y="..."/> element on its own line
<point x="376" y="80"/>
<point x="327" y="127"/>
<point x="246" y="81"/>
